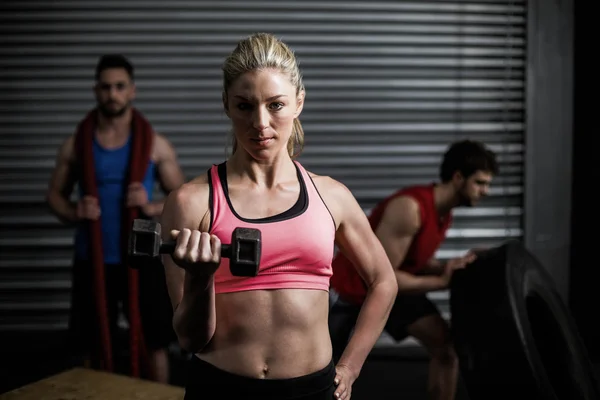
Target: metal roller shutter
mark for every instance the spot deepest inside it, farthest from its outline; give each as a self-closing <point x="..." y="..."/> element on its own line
<point x="389" y="85"/>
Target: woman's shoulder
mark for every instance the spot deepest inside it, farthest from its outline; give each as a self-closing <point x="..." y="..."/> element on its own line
<point x="334" y="193"/>
<point x="190" y="200"/>
<point x="194" y="187"/>
<point x="328" y="185"/>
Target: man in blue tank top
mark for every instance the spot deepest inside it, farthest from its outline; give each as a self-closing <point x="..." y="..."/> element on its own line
<point x="112" y="141"/>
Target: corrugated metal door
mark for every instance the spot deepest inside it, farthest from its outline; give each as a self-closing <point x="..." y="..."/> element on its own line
<point x="389" y="85"/>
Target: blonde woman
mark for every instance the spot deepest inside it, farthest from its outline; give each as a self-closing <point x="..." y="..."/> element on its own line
<point x="266" y="337"/>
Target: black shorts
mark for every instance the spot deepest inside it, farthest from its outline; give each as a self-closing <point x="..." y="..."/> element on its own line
<point x="207" y="382"/>
<point x="155" y="306"/>
<point x="406" y="310"/>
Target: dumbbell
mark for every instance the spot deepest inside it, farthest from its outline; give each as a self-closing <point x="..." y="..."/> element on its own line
<point x="244" y="251"/>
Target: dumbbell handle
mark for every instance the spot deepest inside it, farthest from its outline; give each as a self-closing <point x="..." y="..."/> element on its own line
<point x="169" y="248"/>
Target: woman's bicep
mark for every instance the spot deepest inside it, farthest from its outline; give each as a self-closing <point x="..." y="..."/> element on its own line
<point x="181" y="210"/>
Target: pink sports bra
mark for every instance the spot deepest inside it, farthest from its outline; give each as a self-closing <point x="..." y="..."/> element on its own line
<point x="297" y="245"/>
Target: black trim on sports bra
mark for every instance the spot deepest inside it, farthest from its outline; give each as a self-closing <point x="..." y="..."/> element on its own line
<point x="323" y="201"/>
<point x="297" y="209"/>
<point x="210" y="200"/>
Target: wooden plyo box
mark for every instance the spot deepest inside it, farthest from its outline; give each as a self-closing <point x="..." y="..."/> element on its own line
<point x="82" y="383"/>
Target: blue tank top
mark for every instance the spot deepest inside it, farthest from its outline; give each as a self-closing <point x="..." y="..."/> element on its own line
<point x="111" y="177"/>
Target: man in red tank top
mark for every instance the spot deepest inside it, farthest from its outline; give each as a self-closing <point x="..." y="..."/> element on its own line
<point x="411" y="224"/>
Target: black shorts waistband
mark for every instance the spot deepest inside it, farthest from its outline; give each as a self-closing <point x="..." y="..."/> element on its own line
<point x="204" y="378"/>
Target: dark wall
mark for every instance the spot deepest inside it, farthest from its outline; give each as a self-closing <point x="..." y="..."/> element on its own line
<point x="548" y="138"/>
<point x="585" y="264"/>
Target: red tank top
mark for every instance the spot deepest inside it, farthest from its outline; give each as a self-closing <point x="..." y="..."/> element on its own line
<point x="348" y="283"/>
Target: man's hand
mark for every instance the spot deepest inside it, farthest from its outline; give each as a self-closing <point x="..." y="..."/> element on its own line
<point x="344" y="378"/>
<point x="478" y="250"/>
<point x="137" y="195"/>
<point x="87" y="208"/>
<point x="456" y="264"/>
<point x="461" y="262"/>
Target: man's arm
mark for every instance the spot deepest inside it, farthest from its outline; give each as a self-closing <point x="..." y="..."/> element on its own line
<point x="433" y="267"/>
<point x="62" y="182"/>
<point x="400" y="222"/>
<point x="170" y="175"/>
<point x="438" y="267"/>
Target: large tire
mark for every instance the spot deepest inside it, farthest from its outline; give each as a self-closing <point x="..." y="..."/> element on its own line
<point x="513" y="334"/>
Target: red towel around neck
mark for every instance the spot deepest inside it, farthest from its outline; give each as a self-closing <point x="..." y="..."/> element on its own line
<point x="141" y="147"/>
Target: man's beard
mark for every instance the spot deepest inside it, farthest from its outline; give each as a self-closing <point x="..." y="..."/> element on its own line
<point x="111" y="112"/>
<point x="464" y="200"/>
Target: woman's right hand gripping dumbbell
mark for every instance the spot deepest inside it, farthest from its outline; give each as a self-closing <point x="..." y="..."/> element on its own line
<point x="199" y="253"/>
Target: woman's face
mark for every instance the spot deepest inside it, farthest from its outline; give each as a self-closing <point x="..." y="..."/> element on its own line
<point x="262" y="106"/>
